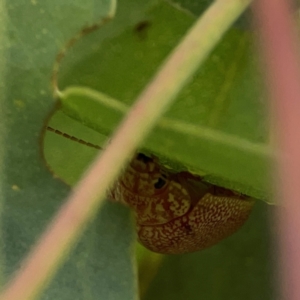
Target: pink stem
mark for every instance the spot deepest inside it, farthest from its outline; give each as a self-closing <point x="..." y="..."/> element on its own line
<point x="280" y="49"/>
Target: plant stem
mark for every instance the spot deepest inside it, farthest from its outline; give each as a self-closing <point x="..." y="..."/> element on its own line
<point x="280" y="48"/>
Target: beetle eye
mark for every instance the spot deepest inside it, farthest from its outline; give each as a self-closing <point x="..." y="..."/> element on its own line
<point x="160" y="183"/>
<point x="142" y="157"/>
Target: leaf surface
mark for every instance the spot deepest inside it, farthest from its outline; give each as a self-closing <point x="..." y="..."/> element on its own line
<point x="33" y="33"/>
<point x="217" y="127"/>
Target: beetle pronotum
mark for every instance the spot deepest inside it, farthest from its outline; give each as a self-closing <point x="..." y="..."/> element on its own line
<point x="176" y="212"/>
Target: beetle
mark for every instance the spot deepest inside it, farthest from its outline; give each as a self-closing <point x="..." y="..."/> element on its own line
<point x="176" y="212"/>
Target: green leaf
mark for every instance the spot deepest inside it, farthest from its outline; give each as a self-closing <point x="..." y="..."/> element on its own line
<point x="32" y="34"/>
<point x="217" y="127"/>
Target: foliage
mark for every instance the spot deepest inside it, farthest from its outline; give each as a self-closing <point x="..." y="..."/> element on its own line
<point x="117" y="61"/>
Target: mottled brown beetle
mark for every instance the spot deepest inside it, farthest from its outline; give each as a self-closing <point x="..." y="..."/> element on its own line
<point x="177" y="212"/>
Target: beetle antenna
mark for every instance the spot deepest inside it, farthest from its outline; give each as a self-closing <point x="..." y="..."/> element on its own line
<point x="73" y="138"/>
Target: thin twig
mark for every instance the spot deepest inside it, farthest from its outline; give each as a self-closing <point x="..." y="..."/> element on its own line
<point x="85" y="200"/>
